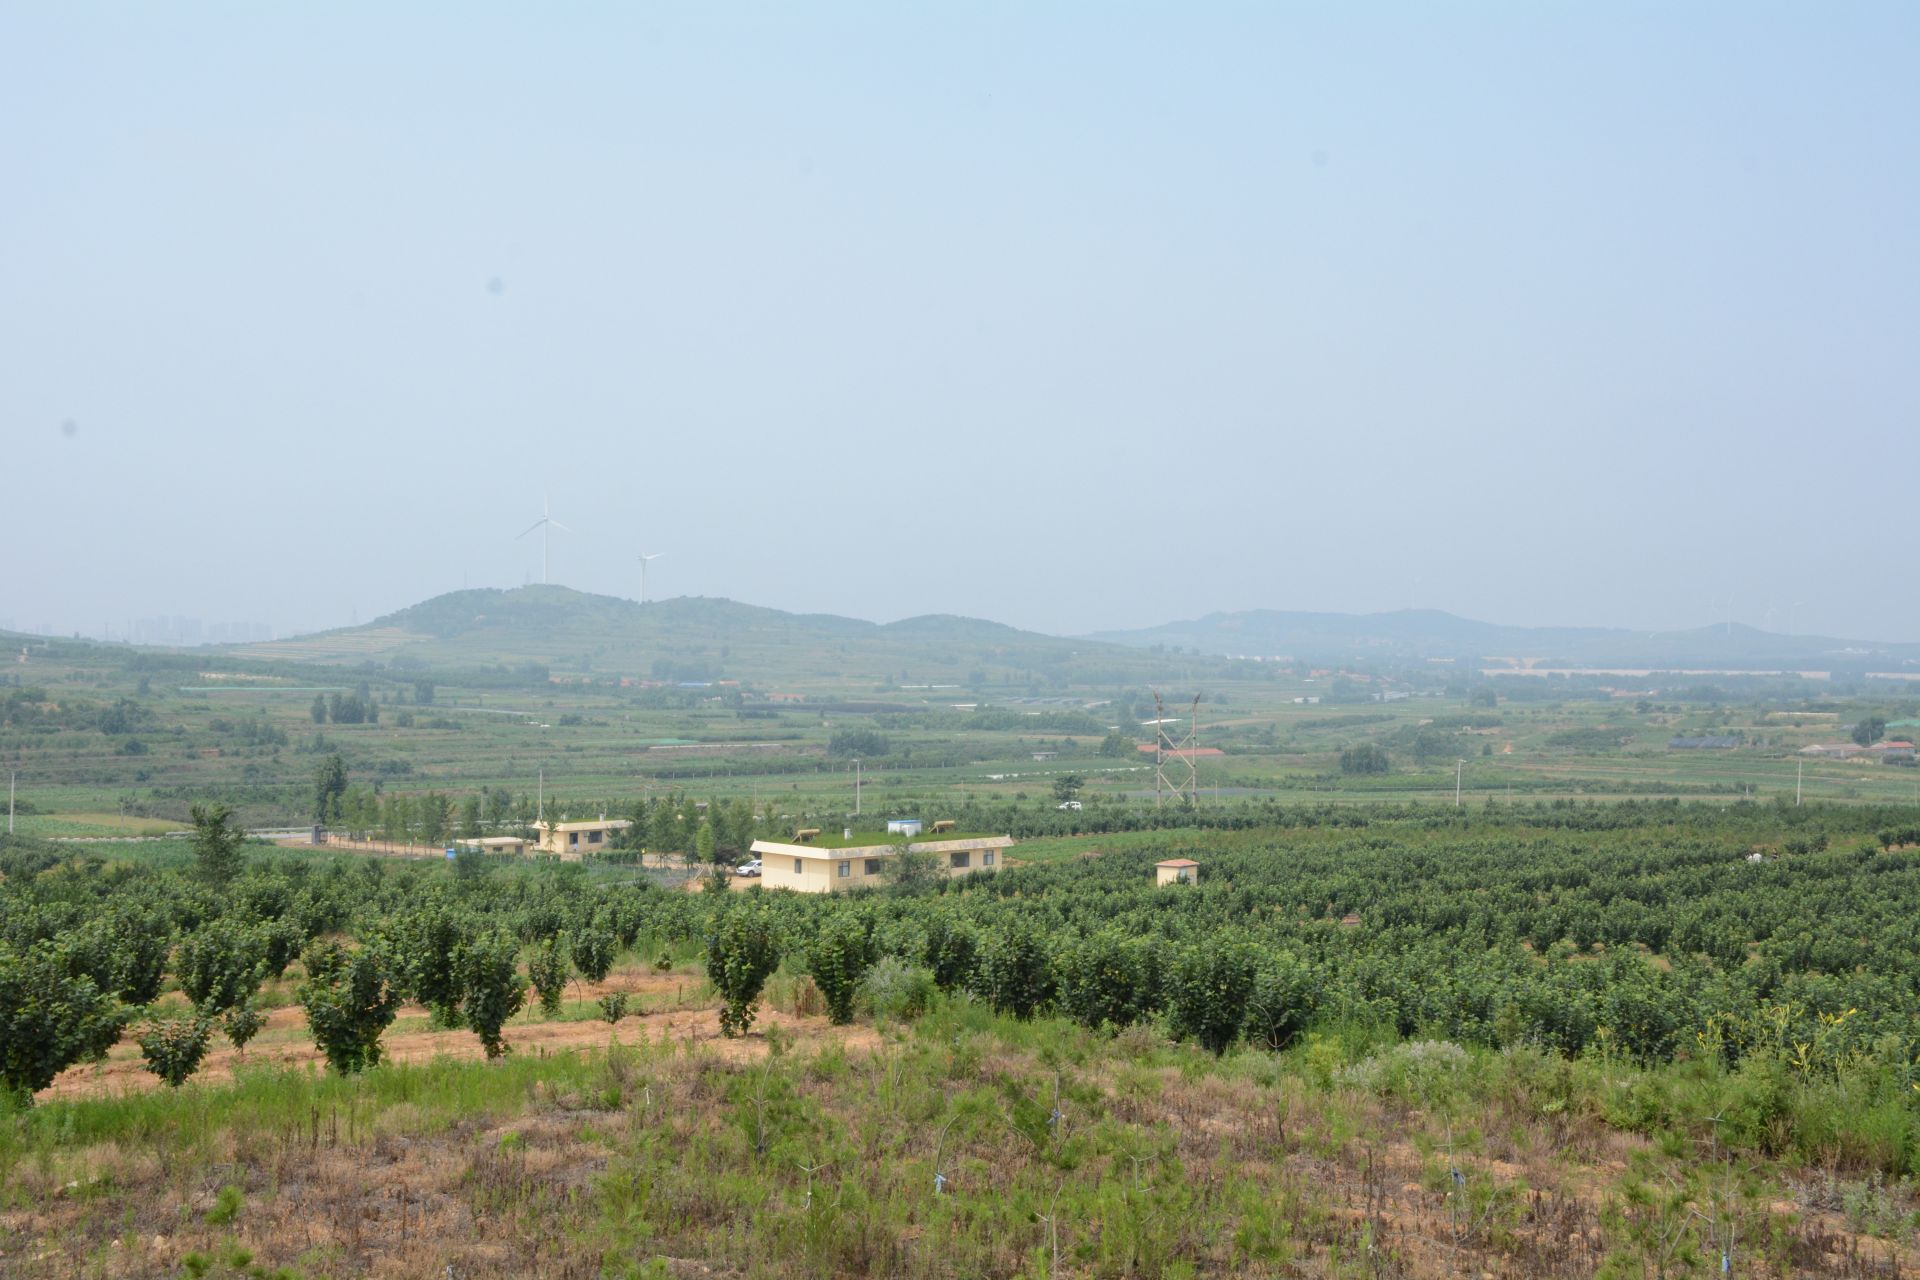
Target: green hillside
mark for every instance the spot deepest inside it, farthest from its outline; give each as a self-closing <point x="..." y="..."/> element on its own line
<point x="691" y="639"/>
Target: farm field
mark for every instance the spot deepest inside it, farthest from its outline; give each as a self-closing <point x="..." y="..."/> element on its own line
<point x="1563" y="1039"/>
<point x="944" y="717"/>
<point x="1479" y="978"/>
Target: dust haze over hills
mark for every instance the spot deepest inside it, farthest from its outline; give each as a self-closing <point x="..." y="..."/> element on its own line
<point x="695" y="639"/>
<point x="1431" y="633"/>
<point x="687" y="638"/>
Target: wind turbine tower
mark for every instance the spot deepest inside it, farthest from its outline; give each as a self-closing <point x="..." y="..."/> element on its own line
<point x="644" y="560"/>
<point x="546" y="524"/>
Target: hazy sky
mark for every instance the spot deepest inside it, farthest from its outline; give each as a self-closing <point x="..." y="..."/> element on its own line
<point x="1071" y="316"/>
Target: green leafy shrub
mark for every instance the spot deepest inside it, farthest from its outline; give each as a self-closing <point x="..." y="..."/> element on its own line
<point x="49" y="1019"/>
<point x="742" y="951"/>
<point x="221" y="965"/>
<point x="431" y="942"/>
<point x="1100" y="980"/>
<point x="1016" y="970"/>
<point x="175" y="1045"/>
<point x="350" y="998"/>
<point x="549" y="969"/>
<point x="1418" y="1071"/>
<point x="837" y="959"/>
<point x="1282" y="1003"/>
<point x="242" y="1023"/>
<point x="895" y="989"/>
<point x="593" y="952"/>
<point x="1213" y="985"/>
<point x="491" y="988"/>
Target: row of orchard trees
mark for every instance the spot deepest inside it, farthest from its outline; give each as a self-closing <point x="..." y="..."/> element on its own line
<point x="1214" y="991"/>
<point x="88" y="948"/>
<point x="1656" y="932"/>
<point x="1648" y="931"/>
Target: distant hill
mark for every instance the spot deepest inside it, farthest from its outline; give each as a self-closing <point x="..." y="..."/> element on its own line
<point x="1430" y="633"/>
<point x="696" y="639"/>
<point x="702" y="639"/>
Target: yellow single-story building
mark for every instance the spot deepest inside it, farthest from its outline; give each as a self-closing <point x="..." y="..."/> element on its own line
<point x="1176" y="871"/>
<point x="812" y="868"/>
<point x="574" y="839"/>
<point x="502" y="844"/>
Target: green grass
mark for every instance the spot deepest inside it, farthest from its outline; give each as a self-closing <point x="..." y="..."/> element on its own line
<point x="1059" y="1151"/>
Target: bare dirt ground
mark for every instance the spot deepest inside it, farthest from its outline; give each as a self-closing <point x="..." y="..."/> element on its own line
<point x="675" y="1006"/>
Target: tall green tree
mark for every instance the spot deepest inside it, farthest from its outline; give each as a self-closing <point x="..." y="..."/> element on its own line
<point x="1367" y="758"/>
<point x="330" y="784"/>
<point x="217" y="840"/>
<point x="470" y="828"/>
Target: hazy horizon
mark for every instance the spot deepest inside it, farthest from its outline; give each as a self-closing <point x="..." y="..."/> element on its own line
<point x="1074" y="319"/>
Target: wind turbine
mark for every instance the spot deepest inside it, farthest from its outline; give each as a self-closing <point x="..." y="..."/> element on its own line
<point x="546" y="524"/>
<point x="643" y="572"/>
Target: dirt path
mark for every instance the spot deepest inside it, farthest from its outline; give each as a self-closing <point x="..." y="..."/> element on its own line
<point x="676" y="1007"/>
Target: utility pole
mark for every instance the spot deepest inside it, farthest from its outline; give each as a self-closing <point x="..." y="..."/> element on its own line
<point x="1458" y="765"/>
<point x="856" y="786"/>
<point x="540" y="801"/>
<point x="1799" y="776"/>
<point x="13" y="776"/>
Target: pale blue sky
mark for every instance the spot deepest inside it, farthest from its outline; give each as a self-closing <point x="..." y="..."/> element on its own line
<point x="1077" y="317"/>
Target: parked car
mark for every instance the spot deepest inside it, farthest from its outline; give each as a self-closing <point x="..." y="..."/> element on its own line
<point x="748" y="868"/>
<point x="1069" y="804"/>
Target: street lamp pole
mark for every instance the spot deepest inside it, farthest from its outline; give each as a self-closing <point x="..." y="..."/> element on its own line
<point x="856" y="787"/>
<point x="1458" y="765"/>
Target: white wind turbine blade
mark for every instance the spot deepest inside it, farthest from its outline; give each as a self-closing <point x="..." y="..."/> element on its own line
<point x="530" y="528"/>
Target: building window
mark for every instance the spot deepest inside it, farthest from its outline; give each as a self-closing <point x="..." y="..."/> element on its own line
<point x="986" y="859"/>
<point x="846" y="869"/>
<point x="873" y="866"/>
<point x="799" y="867"/>
<point x="593" y="837"/>
<point x="573" y="837"/>
<point x="960" y="861"/>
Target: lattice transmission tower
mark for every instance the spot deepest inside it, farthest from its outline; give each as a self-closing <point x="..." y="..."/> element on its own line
<point x="1184" y="784"/>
